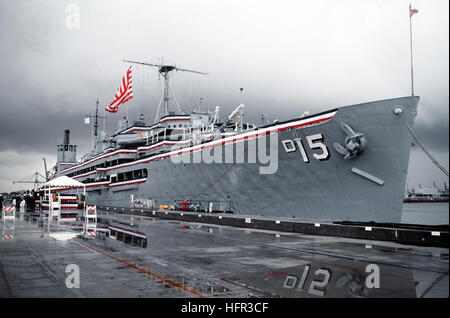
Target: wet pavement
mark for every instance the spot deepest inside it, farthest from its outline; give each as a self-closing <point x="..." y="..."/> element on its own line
<point x="197" y="260"/>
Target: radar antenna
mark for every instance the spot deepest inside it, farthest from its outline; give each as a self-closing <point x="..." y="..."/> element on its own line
<point x="165" y="70"/>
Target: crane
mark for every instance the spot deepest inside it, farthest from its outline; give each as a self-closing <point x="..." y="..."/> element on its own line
<point x="34" y="178"/>
<point x="233" y="113"/>
<point x="215" y="116"/>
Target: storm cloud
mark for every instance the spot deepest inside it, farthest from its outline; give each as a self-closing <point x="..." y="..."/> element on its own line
<point x="289" y="56"/>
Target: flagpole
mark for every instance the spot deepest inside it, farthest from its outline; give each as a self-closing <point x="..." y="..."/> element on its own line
<point x="411" y="50"/>
<point x="92" y="131"/>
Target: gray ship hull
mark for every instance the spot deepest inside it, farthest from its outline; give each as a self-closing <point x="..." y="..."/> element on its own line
<point x="368" y="187"/>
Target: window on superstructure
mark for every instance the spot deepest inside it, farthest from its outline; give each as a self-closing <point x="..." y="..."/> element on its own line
<point x="129" y="175"/>
<point x="138" y="174"/>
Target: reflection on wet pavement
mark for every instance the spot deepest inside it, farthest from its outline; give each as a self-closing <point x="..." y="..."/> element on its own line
<point x="199" y="260"/>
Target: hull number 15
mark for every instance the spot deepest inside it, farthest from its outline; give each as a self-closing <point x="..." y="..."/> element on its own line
<point x="314" y="142"/>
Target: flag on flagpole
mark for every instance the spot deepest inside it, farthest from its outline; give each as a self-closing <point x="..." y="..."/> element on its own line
<point x="412" y="11"/>
<point x="124" y="93"/>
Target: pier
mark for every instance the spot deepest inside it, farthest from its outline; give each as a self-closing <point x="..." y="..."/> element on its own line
<point x="404" y="234"/>
<point x="237" y="259"/>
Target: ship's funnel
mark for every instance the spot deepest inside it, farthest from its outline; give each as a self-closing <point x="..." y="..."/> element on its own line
<point x="66" y="137"/>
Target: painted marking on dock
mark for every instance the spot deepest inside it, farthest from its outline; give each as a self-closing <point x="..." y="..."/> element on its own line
<point x="155" y="276"/>
<point x="276" y="273"/>
<point x="250" y="288"/>
<point x="8" y="286"/>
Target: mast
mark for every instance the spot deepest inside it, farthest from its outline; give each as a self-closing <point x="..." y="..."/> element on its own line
<point x="165" y="70"/>
<point x="96" y="122"/>
<point x="241" y="116"/>
<point x="96" y="116"/>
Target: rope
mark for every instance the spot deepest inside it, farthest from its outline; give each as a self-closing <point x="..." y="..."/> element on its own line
<point x="423" y="147"/>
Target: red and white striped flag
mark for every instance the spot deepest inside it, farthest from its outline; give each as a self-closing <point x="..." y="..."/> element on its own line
<point x="412" y="11"/>
<point x="124" y="93"/>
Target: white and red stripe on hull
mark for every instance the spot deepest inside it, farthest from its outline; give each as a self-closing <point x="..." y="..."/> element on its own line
<point x="164" y="143"/>
<point x="137" y="129"/>
<point x="117" y="152"/>
<point x="124" y="183"/>
<point x="175" y="118"/>
<point x="320" y="119"/>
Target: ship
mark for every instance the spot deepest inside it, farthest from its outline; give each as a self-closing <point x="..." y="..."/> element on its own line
<point x="347" y="163"/>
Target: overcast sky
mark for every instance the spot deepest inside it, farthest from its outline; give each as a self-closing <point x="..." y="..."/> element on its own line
<point x="289" y="56"/>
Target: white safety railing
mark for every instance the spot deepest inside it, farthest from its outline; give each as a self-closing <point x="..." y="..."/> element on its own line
<point x="9" y="213"/>
<point x="90" y="222"/>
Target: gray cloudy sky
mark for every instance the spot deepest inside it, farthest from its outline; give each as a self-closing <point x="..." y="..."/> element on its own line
<point x="289" y="56"/>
